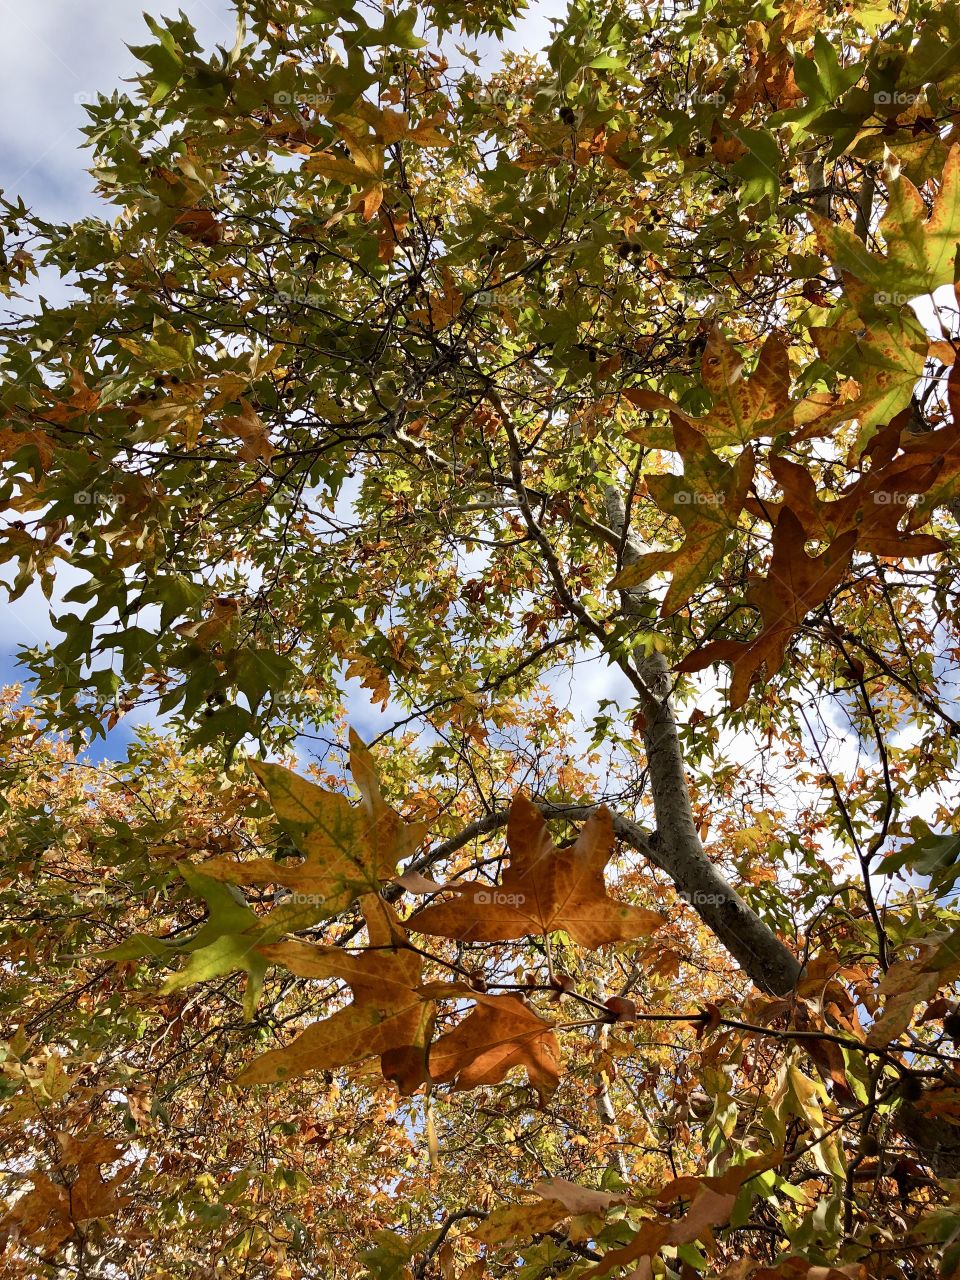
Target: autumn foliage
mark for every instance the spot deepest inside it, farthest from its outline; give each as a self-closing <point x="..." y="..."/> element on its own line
<point x="516" y="498"/>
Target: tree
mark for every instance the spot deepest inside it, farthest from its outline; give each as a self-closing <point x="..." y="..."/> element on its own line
<point x="465" y="387"/>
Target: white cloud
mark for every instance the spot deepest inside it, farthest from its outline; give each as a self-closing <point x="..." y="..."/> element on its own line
<point x="53" y="56"/>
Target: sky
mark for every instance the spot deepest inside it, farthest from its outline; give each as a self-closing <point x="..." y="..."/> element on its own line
<point x="56" y="55"/>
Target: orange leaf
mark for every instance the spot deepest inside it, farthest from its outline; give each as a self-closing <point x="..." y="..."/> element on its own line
<point x="544" y="888"/>
<point x="501" y="1032"/>
<point x="795" y="583"/>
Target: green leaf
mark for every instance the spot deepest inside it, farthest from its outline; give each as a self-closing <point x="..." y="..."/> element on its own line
<point x="921" y="251"/>
<point x="760" y="168"/>
<point x="936" y="856"/>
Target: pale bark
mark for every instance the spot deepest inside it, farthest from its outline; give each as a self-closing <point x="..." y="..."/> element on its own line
<point x="675" y="845"/>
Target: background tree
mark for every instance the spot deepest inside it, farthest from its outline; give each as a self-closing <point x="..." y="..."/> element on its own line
<point x="466" y="387"/>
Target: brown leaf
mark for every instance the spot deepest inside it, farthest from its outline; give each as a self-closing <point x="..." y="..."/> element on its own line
<point x="391" y="228"/>
<point x="81" y="401"/>
<point x="250" y="430"/>
<point x="388" y="1017"/>
<point x="712" y="1199"/>
<point x="904" y="986"/>
<point x="743" y="408"/>
<point x="544" y="888"/>
<point x="199" y="225"/>
<point x="443" y="308"/>
<point x="414" y="882"/>
<point x="51" y="1213"/>
<point x="795" y="583"/>
<point x="873" y="507"/>
<point x="41" y="1215"/>
<point x="621" y="1010"/>
<point x="500" y="1032"/>
<point x="576" y="1199"/>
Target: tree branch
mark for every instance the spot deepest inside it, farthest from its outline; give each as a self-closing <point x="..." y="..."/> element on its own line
<point x="676" y="843"/>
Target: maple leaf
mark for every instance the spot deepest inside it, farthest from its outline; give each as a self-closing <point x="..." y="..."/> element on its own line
<point x="500" y="1033"/>
<point x="200" y="225"/>
<point x="41" y="1215"/>
<point x="939" y="450"/>
<point x="348" y="849"/>
<point x="873" y="507"/>
<point x="920" y="250"/>
<point x="364" y="169"/>
<point x="442" y="308"/>
<point x="743" y="409"/>
<point x="710" y="1202"/>
<point x="81" y="401"/>
<point x="91" y="1195"/>
<point x="227" y="941"/>
<point x="886" y="359"/>
<point x="371" y="677"/>
<point x="224" y="614"/>
<point x="249" y="429"/>
<point x="388" y="1017"/>
<point x="559" y="1199"/>
<point x="707" y="500"/>
<point x="904" y="986"/>
<point x="389" y="233"/>
<point x="908" y="983"/>
<point x="51" y="1213"/>
<point x="519" y="1221"/>
<point x="394" y="126"/>
<point x="388" y="126"/>
<point x="15" y="438"/>
<point x="542" y="889"/>
<point x="795" y="583"/>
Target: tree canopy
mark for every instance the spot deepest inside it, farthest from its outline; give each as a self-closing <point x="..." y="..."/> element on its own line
<point x="521" y="491"/>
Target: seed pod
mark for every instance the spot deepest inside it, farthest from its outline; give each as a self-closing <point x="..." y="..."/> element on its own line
<point x="911" y="1088"/>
